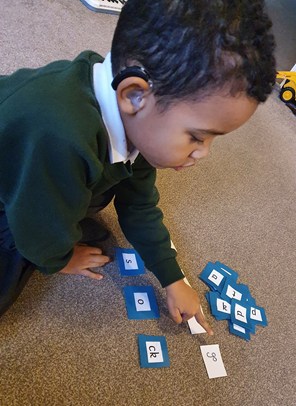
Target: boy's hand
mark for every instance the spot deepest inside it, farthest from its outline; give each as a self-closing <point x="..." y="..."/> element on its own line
<point x="83" y="259"/>
<point x="183" y="303"/>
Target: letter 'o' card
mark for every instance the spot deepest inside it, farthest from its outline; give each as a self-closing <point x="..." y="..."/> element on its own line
<point x="153" y="351"/>
<point x="141" y="302"/>
<point x="130" y="262"/>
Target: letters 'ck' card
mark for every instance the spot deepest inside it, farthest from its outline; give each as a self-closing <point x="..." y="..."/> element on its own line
<point x="213" y="361"/>
<point x="130" y="262"/>
<point x="140" y="303"/>
<point x="214" y="277"/>
<point x="153" y="351"/>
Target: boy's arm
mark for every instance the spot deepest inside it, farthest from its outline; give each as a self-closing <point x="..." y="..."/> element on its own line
<point x="141" y="221"/>
<point x="45" y="196"/>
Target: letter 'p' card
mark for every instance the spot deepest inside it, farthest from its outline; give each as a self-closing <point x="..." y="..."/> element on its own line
<point x="153" y="351"/>
<point x="141" y="303"/>
<point x="130" y="262"/>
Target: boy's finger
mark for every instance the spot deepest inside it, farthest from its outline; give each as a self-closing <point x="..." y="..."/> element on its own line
<point x="176" y="316"/>
<point x="206" y="326"/>
<point x="100" y="261"/>
<point x="90" y="274"/>
<point x="186" y="317"/>
<point x="95" y="250"/>
<point x="200" y="318"/>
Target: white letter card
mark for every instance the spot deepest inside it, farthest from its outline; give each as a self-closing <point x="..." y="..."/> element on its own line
<point x="213" y="360"/>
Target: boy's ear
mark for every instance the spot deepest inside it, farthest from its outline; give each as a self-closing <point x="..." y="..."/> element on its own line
<point x="132" y="94"/>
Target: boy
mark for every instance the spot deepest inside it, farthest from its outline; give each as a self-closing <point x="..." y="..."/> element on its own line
<point x="73" y="135"/>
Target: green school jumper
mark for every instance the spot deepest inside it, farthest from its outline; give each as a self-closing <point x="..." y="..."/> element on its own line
<point x="54" y="158"/>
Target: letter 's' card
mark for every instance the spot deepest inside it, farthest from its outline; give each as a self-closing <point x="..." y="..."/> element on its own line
<point x="153" y="351"/>
<point x="130" y="262"/>
<point x="141" y="303"/>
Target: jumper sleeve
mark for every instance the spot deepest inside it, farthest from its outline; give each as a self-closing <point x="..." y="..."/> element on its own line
<point x="141" y="220"/>
<point x="45" y="196"/>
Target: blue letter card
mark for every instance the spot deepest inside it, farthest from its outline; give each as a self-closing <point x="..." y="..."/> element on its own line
<point x="232" y="290"/>
<point x="239" y="331"/>
<point x="240" y="314"/>
<point x="230" y="272"/>
<point x="153" y="351"/>
<point x="221" y="308"/>
<point x="213" y="277"/>
<point x="258" y="316"/>
<point x="140" y="302"/>
<point x="130" y="262"/>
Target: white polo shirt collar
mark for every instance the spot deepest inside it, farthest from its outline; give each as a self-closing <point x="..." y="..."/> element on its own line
<point x="106" y="97"/>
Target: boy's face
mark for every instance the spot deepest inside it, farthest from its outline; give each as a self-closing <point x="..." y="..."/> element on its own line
<point x="183" y="134"/>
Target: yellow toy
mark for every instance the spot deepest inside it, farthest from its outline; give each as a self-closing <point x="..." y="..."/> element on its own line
<point x="288" y="89"/>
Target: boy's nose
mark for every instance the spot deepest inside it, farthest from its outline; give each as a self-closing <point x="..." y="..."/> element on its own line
<point x="201" y="152"/>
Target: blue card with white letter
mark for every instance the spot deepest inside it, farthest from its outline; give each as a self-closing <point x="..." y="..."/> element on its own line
<point x="153" y="351"/>
<point x="240" y="314"/>
<point x="258" y="316"/>
<point x="221" y="308"/>
<point x="229" y="271"/>
<point x="232" y="290"/>
<point x="130" y="262"/>
<point x="239" y="331"/>
<point x="214" y="277"/>
<point x="141" y="303"/>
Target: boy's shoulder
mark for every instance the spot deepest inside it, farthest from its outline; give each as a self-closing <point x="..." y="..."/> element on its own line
<point x="53" y="78"/>
<point x="57" y="99"/>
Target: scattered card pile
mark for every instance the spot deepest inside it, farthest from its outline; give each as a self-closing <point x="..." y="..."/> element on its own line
<point x="232" y="301"/>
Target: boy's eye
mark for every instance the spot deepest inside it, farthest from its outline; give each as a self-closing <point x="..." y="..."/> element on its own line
<point x="195" y="139"/>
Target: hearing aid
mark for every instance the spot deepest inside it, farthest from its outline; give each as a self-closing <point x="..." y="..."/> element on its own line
<point x="131" y="71"/>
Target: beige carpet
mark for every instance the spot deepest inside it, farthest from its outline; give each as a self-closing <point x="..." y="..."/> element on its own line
<point x="67" y="340"/>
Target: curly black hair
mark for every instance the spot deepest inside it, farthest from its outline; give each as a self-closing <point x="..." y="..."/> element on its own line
<point x="192" y="47"/>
